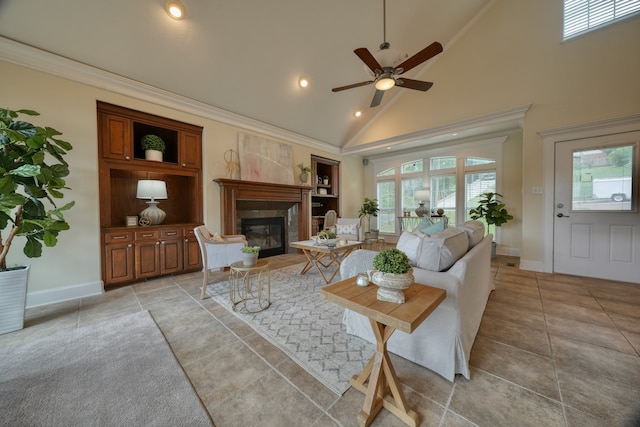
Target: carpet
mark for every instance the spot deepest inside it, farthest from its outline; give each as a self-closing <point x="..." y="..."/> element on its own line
<point x="120" y="372"/>
<point x="307" y="327"/>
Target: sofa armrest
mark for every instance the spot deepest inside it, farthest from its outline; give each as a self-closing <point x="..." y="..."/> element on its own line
<point x="356" y="262"/>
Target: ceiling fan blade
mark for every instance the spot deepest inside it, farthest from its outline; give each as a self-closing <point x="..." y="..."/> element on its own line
<point x="427" y="53"/>
<point x="414" y="84"/>
<point x="338" y="89"/>
<point x="377" y="97"/>
<point x="369" y="60"/>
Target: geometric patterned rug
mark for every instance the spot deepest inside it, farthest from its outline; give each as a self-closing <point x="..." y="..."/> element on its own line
<point x="305" y="326"/>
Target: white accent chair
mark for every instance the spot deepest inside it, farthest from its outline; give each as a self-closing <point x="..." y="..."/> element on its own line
<point x="330" y="220"/>
<point x="218" y="251"/>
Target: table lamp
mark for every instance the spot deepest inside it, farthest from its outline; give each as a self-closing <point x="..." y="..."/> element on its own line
<point x="152" y="189"/>
<point x="422" y="196"/>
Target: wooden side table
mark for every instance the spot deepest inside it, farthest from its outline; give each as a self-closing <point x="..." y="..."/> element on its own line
<point x="378" y="380"/>
<point x="241" y="286"/>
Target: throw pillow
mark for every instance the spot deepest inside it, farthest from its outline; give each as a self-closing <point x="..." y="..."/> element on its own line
<point x="441" y="250"/>
<point x="342" y="229"/>
<point x="474" y="230"/>
<point x="410" y="244"/>
<point x="427" y="227"/>
<point x="217" y="237"/>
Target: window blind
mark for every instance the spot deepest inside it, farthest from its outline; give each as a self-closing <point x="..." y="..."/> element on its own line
<point x="581" y="16"/>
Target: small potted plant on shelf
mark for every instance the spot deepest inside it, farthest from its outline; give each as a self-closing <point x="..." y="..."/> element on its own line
<point x="369" y="209"/>
<point x="304" y="173"/>
<point x="325" y="180"/>
<point x="153" y="147"/>
<point x="250" y="255"/>
<point x="493" y="211"/>
<point x="392" y="273"/>
<point x="32" y="175"/>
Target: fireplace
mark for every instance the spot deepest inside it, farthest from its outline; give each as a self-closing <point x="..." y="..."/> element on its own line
<point x="268" y="233"/>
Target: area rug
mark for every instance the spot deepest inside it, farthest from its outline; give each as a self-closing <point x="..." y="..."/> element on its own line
<point x="119" y="372"/>
<point x="307" y="327"/>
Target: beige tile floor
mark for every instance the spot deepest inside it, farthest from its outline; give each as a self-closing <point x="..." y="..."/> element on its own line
<point x="552" y="350"/>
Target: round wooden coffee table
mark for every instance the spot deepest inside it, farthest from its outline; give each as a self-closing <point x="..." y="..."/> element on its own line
<point x="250" y="286"/>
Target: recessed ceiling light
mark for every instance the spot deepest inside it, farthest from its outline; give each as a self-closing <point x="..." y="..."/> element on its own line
<point x="357" y="113"/>
<point x="303" y="82"/>
<point x="175" y="9"/>
<point x="388" y="148"/>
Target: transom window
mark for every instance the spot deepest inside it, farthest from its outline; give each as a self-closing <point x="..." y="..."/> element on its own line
<point x="581" y="16"/>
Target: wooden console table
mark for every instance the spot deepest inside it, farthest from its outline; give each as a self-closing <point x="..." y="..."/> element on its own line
<point x="378" y="379"/>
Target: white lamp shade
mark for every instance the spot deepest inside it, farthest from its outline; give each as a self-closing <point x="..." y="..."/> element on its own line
<point x="151" y="189"/>
<point x="421" y="195"/>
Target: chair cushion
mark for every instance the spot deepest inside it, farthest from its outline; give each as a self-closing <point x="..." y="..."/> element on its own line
<point x="217" y="237"/>
<point x="474" y="230"/>
<point x="342" y="229"/>
<point x="427" y="227"/>
<point x="410" y="244"/>
<point x="442" y="249"/>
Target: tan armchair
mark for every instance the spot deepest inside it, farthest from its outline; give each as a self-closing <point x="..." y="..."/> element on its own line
<point x="218" y="251"/>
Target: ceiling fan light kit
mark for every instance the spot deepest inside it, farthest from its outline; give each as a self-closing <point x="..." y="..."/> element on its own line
<point x="386" y="76"/>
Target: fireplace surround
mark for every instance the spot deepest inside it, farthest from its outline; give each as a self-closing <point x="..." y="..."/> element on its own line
<point x="237" y="195"/>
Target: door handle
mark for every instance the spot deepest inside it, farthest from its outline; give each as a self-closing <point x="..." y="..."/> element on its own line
<point x="561" y="215"/>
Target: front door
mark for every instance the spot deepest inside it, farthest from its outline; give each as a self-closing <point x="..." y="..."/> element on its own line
<point x="596" y="218"/>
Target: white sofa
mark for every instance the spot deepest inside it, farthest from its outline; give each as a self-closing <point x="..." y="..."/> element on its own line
<point x="443" y="341"/>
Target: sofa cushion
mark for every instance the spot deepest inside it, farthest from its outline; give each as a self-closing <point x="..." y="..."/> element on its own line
<point x="346" y="229"/>
<point x="427" y="227"/>
<point x="474" y="230"/>
<point x="441" y="250"/>
<point x="410" y="244"/>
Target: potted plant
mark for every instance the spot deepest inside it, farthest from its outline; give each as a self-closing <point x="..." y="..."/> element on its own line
<point x="250" y="255"/>
<point x="325" y="180"/>
<point x="493" y="211"/>
<point x="304" y="173"/>
<point x="327" y="237"/>
<point x="392" y="273"/>
<point x="368" y="209"/>
<point x="32" y="172"/>
<point x="153" y="147"/>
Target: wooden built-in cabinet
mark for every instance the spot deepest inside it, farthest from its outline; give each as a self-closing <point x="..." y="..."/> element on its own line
<point x="324" y="197"/>
<point x="134" y="253"/>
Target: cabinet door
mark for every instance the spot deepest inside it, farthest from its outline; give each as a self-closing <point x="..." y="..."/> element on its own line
<point x="116" y="137"/>
<point x="147" y="258"/>
<point x="190" y="150"/>
<point x="192" y="257"/>
<point x="119" y="265"/>
<point x="171" y="250"/>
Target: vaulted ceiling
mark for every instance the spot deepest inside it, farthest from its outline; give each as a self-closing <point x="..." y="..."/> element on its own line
<point x="246" y="56"/>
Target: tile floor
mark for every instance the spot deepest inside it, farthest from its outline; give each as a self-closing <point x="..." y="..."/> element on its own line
<point x="552" y="350"/>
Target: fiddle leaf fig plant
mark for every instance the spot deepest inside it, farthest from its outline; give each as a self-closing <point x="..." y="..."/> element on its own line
<point x="491" y="209"/>
<point x="32" y="172"/>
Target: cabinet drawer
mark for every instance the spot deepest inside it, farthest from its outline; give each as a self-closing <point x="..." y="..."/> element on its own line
<point x="189" y="233"/>
<point x="148" y="235"/>
<point x="118" y="237"/>
<point x="171" y="233"/>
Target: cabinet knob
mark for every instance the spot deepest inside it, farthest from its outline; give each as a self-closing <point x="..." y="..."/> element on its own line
<point x="186" y="240"/>
<point x="184" y="165"/>
<point x="127" y="157"/>
<point x="157" y="243"/>
<point x="129" y="245"/>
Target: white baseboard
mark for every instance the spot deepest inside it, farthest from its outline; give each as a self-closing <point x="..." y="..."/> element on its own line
<point x="507" y="251"/>
<point x="40" y="298"/>
<point x="532" y="266"/>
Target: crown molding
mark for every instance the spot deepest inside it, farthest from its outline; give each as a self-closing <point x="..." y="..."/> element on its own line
<point x="49" y="63"/>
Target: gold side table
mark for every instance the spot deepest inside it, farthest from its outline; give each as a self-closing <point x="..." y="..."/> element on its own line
<point x="250" y="286"/>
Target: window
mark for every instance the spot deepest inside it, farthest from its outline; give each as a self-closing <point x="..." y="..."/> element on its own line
<point x="581" y="16"/>
<point x="602" y="179"/>
<point x="386" y="192"/>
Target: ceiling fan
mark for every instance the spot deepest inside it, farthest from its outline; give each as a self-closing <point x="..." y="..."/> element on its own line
<point x="388" y="75"/>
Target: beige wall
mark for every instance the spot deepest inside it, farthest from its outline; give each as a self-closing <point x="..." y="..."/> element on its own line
<point x="71" y="108"/>
<point x="513" y="56"/>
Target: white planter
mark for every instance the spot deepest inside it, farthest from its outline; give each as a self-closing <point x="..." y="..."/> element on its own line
<point x="154" y="155"/>
<point x="249" y="259"/>
<point x="390" y="285"/>
<point x="13" y="297"/>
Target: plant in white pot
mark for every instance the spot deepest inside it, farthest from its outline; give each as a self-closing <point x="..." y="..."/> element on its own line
<point x="32" y="175"/>
<point x="369" y="209"/>
<point x="493" y="210"/>
<point x="304" y="173"/>
<point x="392" y="273"/>
<point x="153" y="147"/>
<point x="250" y="255"/>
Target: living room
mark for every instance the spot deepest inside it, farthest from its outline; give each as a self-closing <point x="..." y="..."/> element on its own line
<point x="508" y="65"/>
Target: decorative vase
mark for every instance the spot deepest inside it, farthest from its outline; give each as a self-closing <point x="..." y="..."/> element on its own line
<point x="13" y="296"/>
<point x="249" y="259"/>
<point x="304" y="177"/>
<point x="154" y="155"/>
<point x="325" y="181"/>
<point x="391" y="285"/>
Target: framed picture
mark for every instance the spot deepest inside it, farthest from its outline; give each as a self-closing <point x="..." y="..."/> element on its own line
<point x="132" y="221"/>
